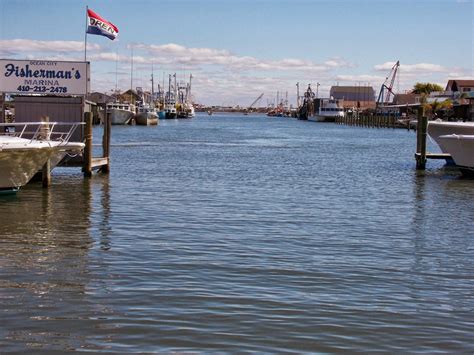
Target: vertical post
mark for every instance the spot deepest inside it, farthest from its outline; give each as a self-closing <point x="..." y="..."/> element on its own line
<point x="106" y="143"/>
<point x="87" y="167"/>
<point x="45" y="135"/>
<point x="46" y="174"/>
<point x="421" y="139"/>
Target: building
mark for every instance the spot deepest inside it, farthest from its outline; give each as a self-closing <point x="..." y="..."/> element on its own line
<point x="460" y="86"/>
<point x="406" y="99"/>
<point x="362" y="97"/>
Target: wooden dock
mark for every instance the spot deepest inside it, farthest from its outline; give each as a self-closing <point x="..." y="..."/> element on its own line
<point x="88" y="163"/>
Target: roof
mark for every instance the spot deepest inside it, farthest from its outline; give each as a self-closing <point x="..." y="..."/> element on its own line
<point x="352" y="89"/>
<point x="408" y="98"/>
<point x="459" y="82"/>
<point x="353" y="93"/>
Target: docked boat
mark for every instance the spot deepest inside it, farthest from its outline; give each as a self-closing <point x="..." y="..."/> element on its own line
<point x="146" y="116"/>
<point x="185" y="110"/>
<point x="120" y="113"/>
<point x="440" y="128"/>
<point x="23" y="153"/>
<point x="461" y="149"/>
<point x="327" y="110"/>
<point x="170" y="107"/>
<point x="161" y="114"/>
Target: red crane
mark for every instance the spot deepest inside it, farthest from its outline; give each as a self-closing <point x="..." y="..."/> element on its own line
<point x="384" y="99"/>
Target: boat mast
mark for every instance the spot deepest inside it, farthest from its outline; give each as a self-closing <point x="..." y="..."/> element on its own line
<point x="131" y="77"/>
<point x="189" y="93"/>
<point x="152" y="84"/>
<point x="169" y="89"/>
<point x="298" y="95"/>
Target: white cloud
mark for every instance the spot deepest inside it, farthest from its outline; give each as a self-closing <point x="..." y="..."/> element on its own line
<point x="17" y="46"/>
<point x="220" y="75"/>
<point x="413" y="68"/>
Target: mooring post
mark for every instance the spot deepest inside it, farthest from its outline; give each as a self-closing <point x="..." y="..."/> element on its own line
<point x="87" y="167"/>
<point x="106" y="143"/>
<point x="46" y="174"/>
<point x="46" y="170"/>
<point x="421" y="139"/>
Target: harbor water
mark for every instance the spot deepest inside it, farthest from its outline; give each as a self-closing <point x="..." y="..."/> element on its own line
<point x="232" y="233"/>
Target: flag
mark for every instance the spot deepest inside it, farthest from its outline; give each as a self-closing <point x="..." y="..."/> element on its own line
<point x="96" y="25"/>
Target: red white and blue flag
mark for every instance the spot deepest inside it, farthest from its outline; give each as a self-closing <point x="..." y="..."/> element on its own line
<point x="96" y="25"/>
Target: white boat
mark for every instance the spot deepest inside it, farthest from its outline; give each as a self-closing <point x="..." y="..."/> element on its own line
<point x="120" y="113"/>
<point x="440" y="128"/>
<point x="146" y="115"/>
<point x="327" y="110"/>
<point x="24" y="152"/>
<point x="461" y="149"/>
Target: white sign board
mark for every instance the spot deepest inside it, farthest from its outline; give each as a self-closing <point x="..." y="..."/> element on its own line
<point x="45" y="77"/>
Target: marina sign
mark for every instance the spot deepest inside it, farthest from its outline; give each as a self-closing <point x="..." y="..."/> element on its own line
<point x="44" y="77"/>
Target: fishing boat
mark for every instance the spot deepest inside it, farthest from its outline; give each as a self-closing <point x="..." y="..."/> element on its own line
<point x="184" y="106"/>
<point x="461" y="149"/>
<point x="120" y="113"/>
<point x="185" y="110"/>
<point x="146" y="115"/>
<point x="26" y="147"/>
<point x="440" y="128"/>
<point x="170" y="106"/>
<point x="327" y="110"/>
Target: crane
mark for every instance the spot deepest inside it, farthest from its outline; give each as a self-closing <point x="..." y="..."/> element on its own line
<point x="253" y="103"/>
<point x="381" y="100"/>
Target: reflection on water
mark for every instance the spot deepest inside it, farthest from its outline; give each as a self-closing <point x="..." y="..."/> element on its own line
<point x="45" y="268"/>
<point x="252" y="234"/>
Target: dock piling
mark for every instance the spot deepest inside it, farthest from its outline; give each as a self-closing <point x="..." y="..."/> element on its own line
<point x="421" y="139"/>
<point x="87" y="167"/>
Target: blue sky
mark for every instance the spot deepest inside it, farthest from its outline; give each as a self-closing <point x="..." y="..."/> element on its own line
<point x="236" y="50"/>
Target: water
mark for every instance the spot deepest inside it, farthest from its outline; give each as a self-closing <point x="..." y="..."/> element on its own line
<point x="231" y="233"/>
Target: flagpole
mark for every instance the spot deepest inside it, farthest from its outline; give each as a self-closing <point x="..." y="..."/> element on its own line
<point x="85" y="37"/>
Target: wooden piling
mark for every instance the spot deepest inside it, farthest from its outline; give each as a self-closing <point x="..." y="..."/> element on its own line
<point x="87" y="167"/>
<point x="106" y="143"/>
<point x="44" y="133"/>
<point x="46" y="174"/>
<point x="422" y="126"/>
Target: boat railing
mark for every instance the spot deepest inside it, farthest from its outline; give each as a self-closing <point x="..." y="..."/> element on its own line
<point x="55" y="131"/>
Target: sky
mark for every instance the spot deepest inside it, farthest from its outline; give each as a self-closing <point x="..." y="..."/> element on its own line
<point x="236" y="50"/>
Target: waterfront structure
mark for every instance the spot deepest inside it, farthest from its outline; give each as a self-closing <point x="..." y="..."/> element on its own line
<point x="361" y="97"/>
<point x="460" y="85"/>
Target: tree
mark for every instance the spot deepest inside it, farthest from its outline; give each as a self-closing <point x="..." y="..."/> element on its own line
<point x="426" y="88"/>
<point x="436" y="107"/>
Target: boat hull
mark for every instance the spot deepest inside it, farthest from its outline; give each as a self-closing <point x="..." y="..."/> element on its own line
<point x="437" y="129"/>
<point x="461" y="149"/>
<point x="120" y="117"/>
<point x="321" y="118"/>
<point x="146" y="119"/>
<point x="170" y="114"/>
<point x="21" y="159"/>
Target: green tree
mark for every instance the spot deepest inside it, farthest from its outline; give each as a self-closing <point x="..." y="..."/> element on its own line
<point x="426" y="88"/>
<point x="436" y="107"/>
